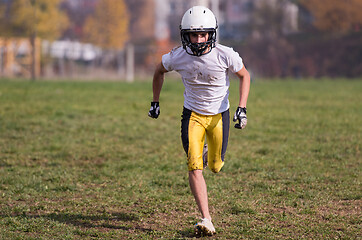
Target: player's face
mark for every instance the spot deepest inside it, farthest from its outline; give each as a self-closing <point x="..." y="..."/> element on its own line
<point x="199" y="37"/>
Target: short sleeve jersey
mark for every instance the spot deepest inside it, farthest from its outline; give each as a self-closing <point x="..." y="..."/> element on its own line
<point x="205" y="77"/>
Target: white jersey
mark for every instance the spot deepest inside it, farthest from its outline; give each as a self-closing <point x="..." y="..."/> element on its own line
<point x="205" y="77"/>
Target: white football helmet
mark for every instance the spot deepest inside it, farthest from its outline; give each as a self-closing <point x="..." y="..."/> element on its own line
<point x="198" y="19"/>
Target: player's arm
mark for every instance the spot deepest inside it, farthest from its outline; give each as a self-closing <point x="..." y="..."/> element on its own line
<point x="158" y="78"/>
<point x="244" y="87"/>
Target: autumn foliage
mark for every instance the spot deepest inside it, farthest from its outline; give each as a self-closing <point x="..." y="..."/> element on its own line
<point x="335" y="15"/>
<point x="24" y="18"/>
<point x="108" y="26"/>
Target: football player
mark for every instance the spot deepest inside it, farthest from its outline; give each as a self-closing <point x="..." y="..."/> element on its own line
<point x="204" y="66"/>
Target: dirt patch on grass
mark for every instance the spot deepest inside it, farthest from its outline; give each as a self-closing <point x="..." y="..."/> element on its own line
<point x="343" y="208"/>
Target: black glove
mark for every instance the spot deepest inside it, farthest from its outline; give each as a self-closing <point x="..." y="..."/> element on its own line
<point x="240" y="115"/>
<point x="154" y="110"/>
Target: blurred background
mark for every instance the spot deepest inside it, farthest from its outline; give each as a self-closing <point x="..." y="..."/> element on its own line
<point x="125" y="39"/>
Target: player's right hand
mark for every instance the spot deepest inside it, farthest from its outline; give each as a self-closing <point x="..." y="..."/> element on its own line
<point x="154" y="110"/>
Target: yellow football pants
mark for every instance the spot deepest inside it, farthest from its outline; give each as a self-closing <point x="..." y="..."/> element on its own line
<point x="194" y="128"/>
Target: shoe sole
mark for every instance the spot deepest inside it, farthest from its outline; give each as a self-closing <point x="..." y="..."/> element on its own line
<point x="203" y="230"/>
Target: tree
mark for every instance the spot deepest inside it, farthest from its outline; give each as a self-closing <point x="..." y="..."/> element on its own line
<point x="267" y="19"/>
<point x="335" y="15"/>
<point x="141" y="20"/>
<point x="4" y="18"/>
<point x="32" y="19"/>
<point x="77" y="12"/>
<point x="108" y="26"/>
<point x="37" y="17"/>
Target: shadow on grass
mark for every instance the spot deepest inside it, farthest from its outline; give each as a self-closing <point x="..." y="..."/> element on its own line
<point x="190" y="233"/>
<point x="187" y="234"/>
<point x="115" y="221"/>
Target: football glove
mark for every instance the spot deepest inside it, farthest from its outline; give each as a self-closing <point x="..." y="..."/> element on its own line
<point x="154" y="110"/>
<point x="240" y="116"/>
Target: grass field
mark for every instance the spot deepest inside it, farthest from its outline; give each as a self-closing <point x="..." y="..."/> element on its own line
<point x="82" y="160"/>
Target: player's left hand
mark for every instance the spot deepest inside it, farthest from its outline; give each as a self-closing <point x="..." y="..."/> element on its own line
<point x="154" y="110"/>
<point x="240" y="116"/>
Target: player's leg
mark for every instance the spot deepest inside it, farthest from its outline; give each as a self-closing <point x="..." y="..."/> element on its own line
<point x="196" y="130"/>
<point x="193" y="135"/>
<point x="199" y="190"/>
<point x="217" y="138"/>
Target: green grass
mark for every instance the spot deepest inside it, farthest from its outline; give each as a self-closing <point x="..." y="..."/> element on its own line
<point x="82" y="160"/>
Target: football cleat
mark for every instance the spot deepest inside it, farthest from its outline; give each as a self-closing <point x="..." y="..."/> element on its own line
<point x="205" y="227"/>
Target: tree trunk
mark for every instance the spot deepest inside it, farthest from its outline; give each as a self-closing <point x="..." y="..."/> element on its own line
<point x="33" y="57"/>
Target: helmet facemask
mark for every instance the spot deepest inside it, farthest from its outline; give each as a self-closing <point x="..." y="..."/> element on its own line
<point x="198" y="49"/>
